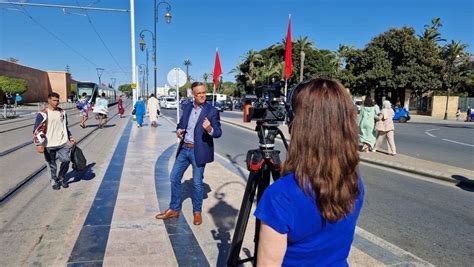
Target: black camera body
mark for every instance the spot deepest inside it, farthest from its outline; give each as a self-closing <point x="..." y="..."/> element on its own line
<point x="268" y="107"/>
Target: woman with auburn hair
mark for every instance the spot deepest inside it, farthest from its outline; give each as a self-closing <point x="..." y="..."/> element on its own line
<point x="309" y="215"/>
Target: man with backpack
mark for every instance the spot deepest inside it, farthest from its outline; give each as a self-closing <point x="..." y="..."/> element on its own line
<point x="52" y="137"/>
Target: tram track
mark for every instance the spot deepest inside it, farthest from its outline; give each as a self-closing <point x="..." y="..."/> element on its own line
<point x="39" y="171"/>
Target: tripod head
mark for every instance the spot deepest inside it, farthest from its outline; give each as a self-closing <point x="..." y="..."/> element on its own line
<point x="267" y="131"/>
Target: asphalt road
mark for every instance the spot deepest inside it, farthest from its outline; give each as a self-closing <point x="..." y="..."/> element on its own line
<point x="451" y="144"/>
<point x="433" y="220"/>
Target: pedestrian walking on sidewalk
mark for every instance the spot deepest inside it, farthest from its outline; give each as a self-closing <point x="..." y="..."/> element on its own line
<point x="121" y="109"/>
<point x="308" y="217"/>
<point x="18" y="100"/>
<point x="153" y="108"/>
<point x="367" y="116"/>
<point x="198" y="126"/>
<point x="52" y="137"/>
<point x="140" y="111"/>
<point x="84" y="106"/>
<point x="102" y="108"/>
<point x="385" y="129"/>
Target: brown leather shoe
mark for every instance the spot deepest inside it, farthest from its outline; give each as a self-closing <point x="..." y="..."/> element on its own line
<point x="167" y="214"/>
<point x="197" y="218"/>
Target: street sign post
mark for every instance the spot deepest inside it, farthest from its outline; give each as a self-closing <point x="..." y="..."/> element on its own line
<point x="177" y="77"/>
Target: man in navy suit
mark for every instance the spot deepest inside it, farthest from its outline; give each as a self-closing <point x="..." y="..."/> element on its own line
<point x="198" y="126"/>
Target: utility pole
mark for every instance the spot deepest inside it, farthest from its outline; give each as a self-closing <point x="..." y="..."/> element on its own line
<point x="132" y="36"/>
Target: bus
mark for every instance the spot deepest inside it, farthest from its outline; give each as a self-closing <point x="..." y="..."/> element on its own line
<point x="93" y="90"/>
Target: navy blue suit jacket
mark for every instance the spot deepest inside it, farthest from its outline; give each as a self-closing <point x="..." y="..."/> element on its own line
<point x="203" y="142"/>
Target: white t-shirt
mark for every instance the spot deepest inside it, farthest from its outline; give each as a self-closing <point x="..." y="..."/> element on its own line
<point x="55" y="134"/>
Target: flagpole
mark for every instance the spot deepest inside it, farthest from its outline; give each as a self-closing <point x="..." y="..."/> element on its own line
<point x="286" y="91"/>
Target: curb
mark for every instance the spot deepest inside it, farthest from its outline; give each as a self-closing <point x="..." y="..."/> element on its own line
<point x="436" y="175"/>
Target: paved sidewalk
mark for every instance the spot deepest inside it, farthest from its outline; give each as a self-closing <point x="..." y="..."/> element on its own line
<point x="120" y="228"/>
<point x="399" y="162"/>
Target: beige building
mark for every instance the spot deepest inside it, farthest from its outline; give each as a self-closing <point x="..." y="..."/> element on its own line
<point x="40" y="83"/>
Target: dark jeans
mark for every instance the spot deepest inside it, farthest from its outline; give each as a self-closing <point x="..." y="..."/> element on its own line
<point x="61" y="153"/>
<point x="184" y="159"/>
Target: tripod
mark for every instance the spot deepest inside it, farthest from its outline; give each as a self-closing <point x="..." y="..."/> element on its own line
<point x="261" y="163"/>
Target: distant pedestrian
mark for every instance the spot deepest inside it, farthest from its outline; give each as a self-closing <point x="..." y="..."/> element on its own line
<point x="9" y="98"/>
<point x="153" y="108"/>
<point x="197" y="128"/>
<point x="121" y="109"/>
<point x="140" y="111"/>
<point x="53" y="138"/>
<point x="468" y="114"/>
<point x="18" y="100"/>
<point x="458" y="114"/>
<point x="367" y="116"/>
<point x="102" y="109"/>
<point x="385" y="129"/>
<point x="309" y="216"/>
<point x="84" y="106"/>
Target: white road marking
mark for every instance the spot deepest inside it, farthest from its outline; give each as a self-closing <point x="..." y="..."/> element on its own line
<point x="430" y="134"/>
<point x="456" y="142"/>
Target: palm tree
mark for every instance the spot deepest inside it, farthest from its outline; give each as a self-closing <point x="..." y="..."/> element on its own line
<point x="304" y="44"/>
<point x="205" y="76"/>
<point x="452" y="54"/>
<point x="431" y="32"/>
<point x="253" y="58"/>
<point x="187" y="63"/>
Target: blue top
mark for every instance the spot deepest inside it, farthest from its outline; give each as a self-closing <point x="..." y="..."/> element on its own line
<point x="195" y="112"/>
<point x="140" y="108"/>
<point x="312" y="241"/>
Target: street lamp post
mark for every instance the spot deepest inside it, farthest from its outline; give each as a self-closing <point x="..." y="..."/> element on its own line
<point x="153" y="57"/>
<point x="99" y="74"/>
<point x="168" y="21"/>
<point x="142" y="71"/>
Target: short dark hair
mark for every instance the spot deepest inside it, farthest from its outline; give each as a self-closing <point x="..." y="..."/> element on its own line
<point x="103" y="94"/>
<point x="84" y="94"/>
<point x="53" y="94"/>
<point x="152" y="95"/>
<point x="196" y="84"/>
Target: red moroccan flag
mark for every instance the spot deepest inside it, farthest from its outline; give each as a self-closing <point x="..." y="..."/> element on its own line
<point x="288" y="54"/>
<point x="217" y="70"/>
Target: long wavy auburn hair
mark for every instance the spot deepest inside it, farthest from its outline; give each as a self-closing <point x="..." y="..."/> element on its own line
<point x="323" y="149"/>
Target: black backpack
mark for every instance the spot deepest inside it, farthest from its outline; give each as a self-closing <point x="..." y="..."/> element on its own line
<point x="79" y="162"/>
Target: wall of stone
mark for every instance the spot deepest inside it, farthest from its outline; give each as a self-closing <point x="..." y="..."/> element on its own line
<point x="38" y="81"/>
<point x="439" y="106"/>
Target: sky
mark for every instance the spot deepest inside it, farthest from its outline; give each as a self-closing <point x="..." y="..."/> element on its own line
<point x="50" y="39"/>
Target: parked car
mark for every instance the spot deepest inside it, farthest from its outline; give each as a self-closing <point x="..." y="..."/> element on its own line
<point x="218" y="105"/>
<point x="239" y="106"/>
<point x="169" y="103"/>
<point x="401" y="114"/>
<point x="228" y="105"/>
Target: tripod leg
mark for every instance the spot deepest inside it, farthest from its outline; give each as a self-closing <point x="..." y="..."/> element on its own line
<point x="263" y="183"/>
<point x="242" y="220"/>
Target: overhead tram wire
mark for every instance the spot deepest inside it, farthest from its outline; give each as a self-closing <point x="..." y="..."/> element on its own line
<point x="98" y="35"/>
<point x="26" y="13"/>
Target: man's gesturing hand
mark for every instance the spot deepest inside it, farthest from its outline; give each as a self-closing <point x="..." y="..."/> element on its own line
<point x="207" y="125"/>
<point x="180" y="133"/>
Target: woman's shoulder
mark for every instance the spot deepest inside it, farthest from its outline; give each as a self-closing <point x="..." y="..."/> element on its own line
<point x="285" y="185"/>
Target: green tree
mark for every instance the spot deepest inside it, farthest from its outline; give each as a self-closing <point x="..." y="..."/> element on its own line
<point x="126" y="89"/>
<point x="456" y="73"/>
<point x="13" y="85"/>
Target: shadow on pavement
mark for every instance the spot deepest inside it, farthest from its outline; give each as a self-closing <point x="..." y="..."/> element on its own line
<point x="464" y="183"/>
<point x="86" y="175"/>
<point x="224" y="217"/>
<point x="188" y="190"/>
